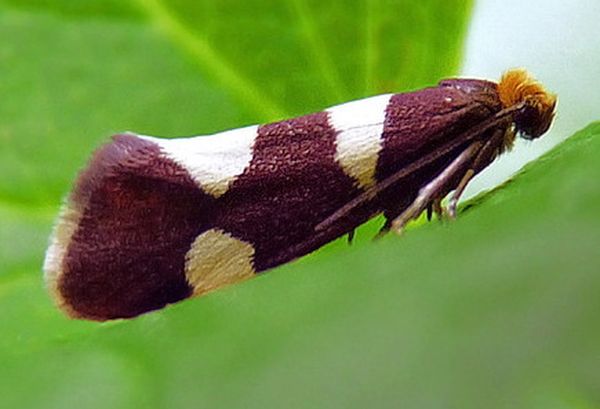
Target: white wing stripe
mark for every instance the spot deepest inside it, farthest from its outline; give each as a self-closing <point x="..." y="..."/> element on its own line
<point x="213" y="161"/>
<point x="360" y="127"/>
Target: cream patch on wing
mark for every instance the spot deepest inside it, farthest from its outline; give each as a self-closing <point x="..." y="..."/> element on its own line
<point x="359" y="126"/>
<point x="213" y="161"/>
<point x="216" y="259"/>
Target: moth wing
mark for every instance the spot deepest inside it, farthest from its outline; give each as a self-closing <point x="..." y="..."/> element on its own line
<point x="213" y="161"/>
<point x="119" y="246"/>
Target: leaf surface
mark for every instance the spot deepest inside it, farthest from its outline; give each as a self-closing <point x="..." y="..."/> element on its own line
<point x="498" y="309"/>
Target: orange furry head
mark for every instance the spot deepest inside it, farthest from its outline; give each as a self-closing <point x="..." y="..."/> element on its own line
<point x="518" y="87"/>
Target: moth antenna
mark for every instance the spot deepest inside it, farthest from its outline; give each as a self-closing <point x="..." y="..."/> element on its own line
<point x="501" y="118"/>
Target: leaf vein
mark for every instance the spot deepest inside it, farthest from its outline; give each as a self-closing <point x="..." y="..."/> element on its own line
<point x="208" y="58"/>
<point x="319" y="51"/>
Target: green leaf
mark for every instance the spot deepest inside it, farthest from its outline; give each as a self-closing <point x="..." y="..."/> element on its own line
<point x="498" y="309"/>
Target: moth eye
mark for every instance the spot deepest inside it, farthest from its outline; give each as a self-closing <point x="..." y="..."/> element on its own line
<point x="534" y="120"/>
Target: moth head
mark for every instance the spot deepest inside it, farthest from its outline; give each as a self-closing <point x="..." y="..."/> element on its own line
<point x="518" y="87"/>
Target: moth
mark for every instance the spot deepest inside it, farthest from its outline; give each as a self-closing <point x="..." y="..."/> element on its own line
<point x="152" y="221"/>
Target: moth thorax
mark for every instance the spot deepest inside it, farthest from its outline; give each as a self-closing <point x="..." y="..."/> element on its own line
<point x="518" y="87"/>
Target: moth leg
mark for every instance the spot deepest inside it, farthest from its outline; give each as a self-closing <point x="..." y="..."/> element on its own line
<point x="438" y="209"/>
<point x="351" y="236"/>
<point x="458" y="192"/>
<point x="426" y="195"/>
<point x="484" y="157"/>
<point x="434" y="190"/>
<point x="384" y="229"/>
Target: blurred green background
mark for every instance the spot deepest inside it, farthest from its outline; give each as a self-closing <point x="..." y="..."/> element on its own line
<point x="498" y="309"/>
